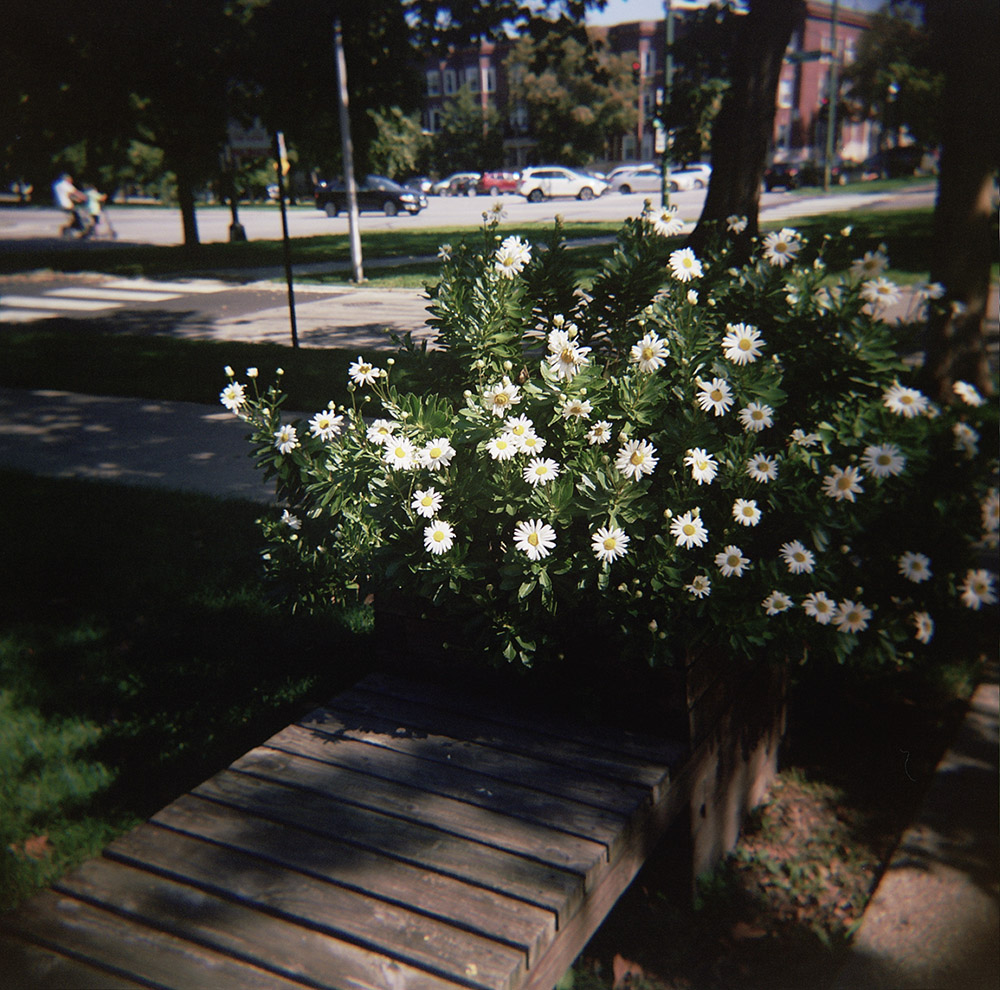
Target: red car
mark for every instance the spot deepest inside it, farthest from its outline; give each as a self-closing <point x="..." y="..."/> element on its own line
<point x="495" y="183"/>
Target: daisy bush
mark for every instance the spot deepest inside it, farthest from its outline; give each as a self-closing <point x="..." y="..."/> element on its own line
<point x="688" y="450"/>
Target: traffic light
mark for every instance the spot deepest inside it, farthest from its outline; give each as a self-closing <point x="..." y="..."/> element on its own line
<point x="636" y="72"/>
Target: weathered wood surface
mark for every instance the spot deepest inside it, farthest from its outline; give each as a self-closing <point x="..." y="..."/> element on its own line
<point x="404" y="837"/>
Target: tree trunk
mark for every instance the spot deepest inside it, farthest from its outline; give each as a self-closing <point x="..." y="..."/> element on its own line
<point x="742" y="133"/>
<point x="967" y="34"/>
<point x="185" y="197"/>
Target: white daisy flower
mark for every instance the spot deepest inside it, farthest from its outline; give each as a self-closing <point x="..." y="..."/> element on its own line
<point x="636" y="458"/>
<point x="439" y="537"/>
<point x="776" y="603"/>
<point x="967" y="393"/>
<point x="233" y="396"/>
<point x="381" y="431"/>
<point x="915" y="567"/>
<point x="756" y="416"/>
<point x="797" y="558"/>
<point x="437" y="454"/>
<point x="290" y="520"/>
<point x="880" y="292"/>
<point x="530" y="443"/>
<point x="700" y="586"/>
<point x="499" y="398"/>
<point x="762" y="468"/>
<point x="540" y="471"/>
<point x="444" y="252"/>
<point x="426" y="502"/>
<point x="819" y="607"/>
<point x="535" y="538"/>
<point x="851" y="617"/>
<point x="731" y="561"/>
<point x="565" y="358"/>
<point x="665" y="220"/>
<point x="745" y="512"/>
<point x="924" y="625"/>
<point x="841" y="484"/>
<point x="736" y="224"/>
<point x="966" y="439"/>
<point x="907" y="402"/>
<point x="692" y="297"/>
<point x="519" y="426"/>
<point x="400" y="454"/>
<point x="684" y="266"/>
<point x="803" y="439"/>
<point x="742" y="343"/>
<point x="502" y="448"/>
<point x="781" y="246"/>
<point x="286" y="439"/>
<point x="977" y="589"/>
<point x="715" y="396"/>
<point x="609" y="543"/>
<point x="883" y="460"/>
<point x="649" y="353"/>
<point x="599" y="433"/>
<point x="688" y="530"/>
<point x="704" y="466"/>
<point x="925" y="292"/>
<point x="990" y="510"/>
<point x="870" y="266"/>
<point x="511" y="257"/>
<point x="326" y="425"/>
<point x="576" y="409"/>
<point x="362" y="373"/>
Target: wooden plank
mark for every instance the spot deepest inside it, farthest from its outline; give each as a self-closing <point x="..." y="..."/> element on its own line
<point x="26" y="966"/>
<point x="526" y="803"/>
<point x="525" y="740"/>
<point x="546" y="845"/>
<point x="633" y="747"/>
<point x="424" y="847"/>
<point x="399" y="933"/>
<point x="106" y="939"/>
<point x="564" y="781"/>
<point x="293" y="954"/>
<point x="488" y="913"/>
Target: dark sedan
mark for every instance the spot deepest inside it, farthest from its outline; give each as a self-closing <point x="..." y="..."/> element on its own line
<point x="376" y="194"/>
<point x="792" y="175"/>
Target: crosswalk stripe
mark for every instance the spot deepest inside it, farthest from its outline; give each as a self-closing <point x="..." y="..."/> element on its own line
<point x="204" y="285"/>
<point x="49" y="302"/>
<point x="24" y="315"/>
<point x="120" y="295"/>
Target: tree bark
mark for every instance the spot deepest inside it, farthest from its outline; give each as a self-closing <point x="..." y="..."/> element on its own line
<point x="967" y="36"/>
<point x="189" y="219"/>
<point x="742" y="133"/>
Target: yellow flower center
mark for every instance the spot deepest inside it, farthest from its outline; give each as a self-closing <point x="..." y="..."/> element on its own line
<point x="541" y="470"/>
<point x="716" y="395"/>
<point x="843" y="482"/>
<point x="799" y="557"/>
<point x="733" y="560"/>
<point x="647" y="353"/>
<point x="745" y="344"/>
<point x="610" y="543"/>
<point x="747" y="510"/>
<point x="400" y="452"/>
<point x="426" y="501"/>
<point x="906" y="398"/>
<point x="781" y="247"/>
<point x="567" y="356"/>
<point x="882" y="459"/>
<point x="438" y="536"/>
<point x="688" y="529"/>
<point x="636" y="457"/>
<point x="500" y="399"/>
<point x="533" y="539"/>
<point x="436" y="452"/>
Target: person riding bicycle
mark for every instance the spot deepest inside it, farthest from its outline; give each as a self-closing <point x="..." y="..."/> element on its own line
<point x="69" y="199"/>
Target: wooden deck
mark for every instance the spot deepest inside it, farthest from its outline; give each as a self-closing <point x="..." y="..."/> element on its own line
<point x="404" y="837"/>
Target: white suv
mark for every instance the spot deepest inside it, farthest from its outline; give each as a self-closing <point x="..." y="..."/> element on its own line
<point x="541" y="183"/>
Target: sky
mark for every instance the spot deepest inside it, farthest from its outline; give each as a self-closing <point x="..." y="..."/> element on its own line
<point x="618" y="11"/>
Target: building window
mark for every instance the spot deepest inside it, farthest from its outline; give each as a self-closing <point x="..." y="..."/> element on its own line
<point x="449" y="82"/>
<point x="433" y="120"/>
<point x="434" y="83"/>
<point x="472" y="78"/>
<point x="648" y="62"/>
<point x="491" y="80"/>
<point x="519" y="119"/>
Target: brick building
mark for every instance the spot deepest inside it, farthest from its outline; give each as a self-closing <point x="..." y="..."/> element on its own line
<point x="801" y="114"/>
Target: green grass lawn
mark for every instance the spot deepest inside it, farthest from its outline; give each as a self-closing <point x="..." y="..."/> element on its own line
<point x="139" y="653"/>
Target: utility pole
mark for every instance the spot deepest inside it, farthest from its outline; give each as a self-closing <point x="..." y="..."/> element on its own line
<point x="831" y="98"/>
<point x="347" y="149"/>
<point x="668" y="72"/>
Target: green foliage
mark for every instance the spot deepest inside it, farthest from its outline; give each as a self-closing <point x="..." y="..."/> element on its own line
<point x="468" y="138"/>
<point x="693" y="451"/>
<point x="400" y="147"/>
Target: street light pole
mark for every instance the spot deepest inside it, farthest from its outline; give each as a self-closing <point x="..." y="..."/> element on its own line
<point x="831" y="97"/>
<point x="668" y="72"/>
<point x="347" y="149"/>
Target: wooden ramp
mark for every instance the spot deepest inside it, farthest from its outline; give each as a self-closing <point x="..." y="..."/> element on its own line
<point x="405" y="837"/>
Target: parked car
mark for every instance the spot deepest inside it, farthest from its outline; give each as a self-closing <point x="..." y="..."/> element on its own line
<point x="641" y="179"/>
<point x="495" y="183"/>
<point x="695" y="176"/>
<point x="418" y="183"/>
<point x="895" y="163"/>
<point x="456" y="184"/>
<point x="375" y="194"/>
<point x="794" y="175"/>
<point x="543" y="183"/>
<point x="613" y="174"/>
